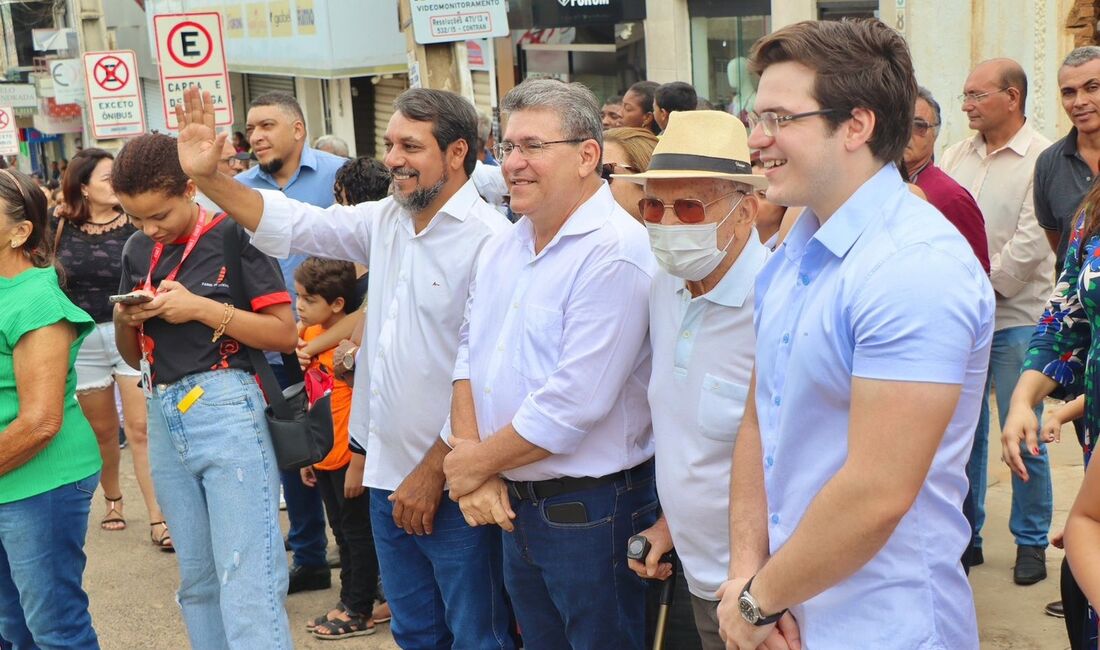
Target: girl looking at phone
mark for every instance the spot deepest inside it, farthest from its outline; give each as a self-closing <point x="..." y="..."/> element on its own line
<point x="212" y="460"/>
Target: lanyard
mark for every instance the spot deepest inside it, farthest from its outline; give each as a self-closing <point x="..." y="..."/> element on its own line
<point x="154" y="259"/>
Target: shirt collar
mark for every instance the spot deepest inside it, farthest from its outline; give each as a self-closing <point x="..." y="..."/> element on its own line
<point x="589" y="216"/>
<point x="841" y="231"/>
<point x="307" y="159"/>
<point x="1069" y="144"/>
<point x="460" y="203"/>
<point x="1018" y="143"/>
<point x="733" y="289"/>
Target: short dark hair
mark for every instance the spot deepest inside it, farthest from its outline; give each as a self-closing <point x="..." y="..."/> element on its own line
<point x="1013" y="76"/>
<point x="329" y="279"/>
<point x="77" y="174"/>
<point x="362" y="179"/>
<point x="647" y="89"/>
<point x="614" y="99"/>
<point x="283" y="100"/>
<point x="149" y="163"/>
<point x="676" y="96"/>
<point x="926" y="95"/>
<point x="452" y="116"/>
<point x="858" y="64"/>
<point x="21" y="200"/>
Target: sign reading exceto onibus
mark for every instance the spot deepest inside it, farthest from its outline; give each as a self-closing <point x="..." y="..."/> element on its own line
<point x="114" y="94"/>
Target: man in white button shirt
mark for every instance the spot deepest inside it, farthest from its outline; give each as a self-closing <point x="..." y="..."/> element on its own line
<point x="699" y="207"/>
<point x="551" y="379"/>
<point x="997" y="166"/>
<point x="442" y="577"/>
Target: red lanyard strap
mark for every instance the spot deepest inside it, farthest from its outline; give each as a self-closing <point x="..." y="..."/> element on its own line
<point x="158" y="250"/>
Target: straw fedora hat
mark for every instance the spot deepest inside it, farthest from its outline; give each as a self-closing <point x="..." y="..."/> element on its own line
<point x="701" y="144"/>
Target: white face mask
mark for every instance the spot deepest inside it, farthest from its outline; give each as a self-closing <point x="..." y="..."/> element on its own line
<point x="689" y="251"/>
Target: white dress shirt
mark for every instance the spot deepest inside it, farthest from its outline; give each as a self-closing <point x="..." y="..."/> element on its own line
<point x="556" y="343"/>
<point x="703" y="351"/>
<point x="1020" y="259"/>
<point x="416" y="296"/>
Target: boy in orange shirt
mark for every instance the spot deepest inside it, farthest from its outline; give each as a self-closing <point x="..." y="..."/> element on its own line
<point x="326" y="295"/>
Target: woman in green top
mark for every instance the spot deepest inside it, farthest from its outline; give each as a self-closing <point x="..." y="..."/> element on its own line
<point x="49" y="459"/>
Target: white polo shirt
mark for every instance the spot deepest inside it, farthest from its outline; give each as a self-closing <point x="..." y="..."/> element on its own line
<point x="703" y="351"/>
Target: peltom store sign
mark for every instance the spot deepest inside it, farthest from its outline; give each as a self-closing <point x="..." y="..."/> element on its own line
<point x="443" y="21"/>
<point x="114" y="94"/>
<point x="191" y="52"/>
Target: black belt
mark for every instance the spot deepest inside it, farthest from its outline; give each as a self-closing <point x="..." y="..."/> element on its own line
<point x="538" y="490"/>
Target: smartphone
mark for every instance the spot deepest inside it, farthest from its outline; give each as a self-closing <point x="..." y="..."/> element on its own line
<point x="572" y="512"/>
<point x="132" y="298"/>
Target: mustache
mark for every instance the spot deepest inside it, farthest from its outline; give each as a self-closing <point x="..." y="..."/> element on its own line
<point x="404" y="171"/>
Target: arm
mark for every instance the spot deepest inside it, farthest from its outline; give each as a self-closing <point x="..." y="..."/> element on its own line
<point x="40" y="374"/>
<point x="1012" y="267"/>
<point x="1053" y="238"/>
<point x="1082" y="534"/>
<point x="126" y="335"/>
<point x="330" y="338"/>
<point x="1055" y="418"/>
<point x="1043" y="214"/>
<point x="748" y="501"/>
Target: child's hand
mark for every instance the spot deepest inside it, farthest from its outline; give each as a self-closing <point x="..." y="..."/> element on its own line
<point x="1052" y="428"/>
<point x="308" y="477"/>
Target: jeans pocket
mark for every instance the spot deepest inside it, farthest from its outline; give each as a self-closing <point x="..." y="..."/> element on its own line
<point x="598" y="509"/>
<point x="644" y="517"/>
<point x="87" y="485"/>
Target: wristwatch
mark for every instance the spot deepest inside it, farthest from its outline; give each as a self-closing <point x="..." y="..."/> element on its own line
<point x="750" y="609"/>
<point x="348" y="360"/>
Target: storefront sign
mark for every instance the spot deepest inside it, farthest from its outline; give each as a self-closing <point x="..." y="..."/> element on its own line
<point x="18" y="95"/>
<point x="68" y="80"/>
<point x="114" y="94"/>
<point x="445" y="21"/>
<point x="9" y="134"/>
<point x="575" y="13"/>
<point x="191" y="52"/>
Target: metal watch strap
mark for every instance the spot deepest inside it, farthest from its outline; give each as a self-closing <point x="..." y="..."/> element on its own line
<point x="763" y="620"/>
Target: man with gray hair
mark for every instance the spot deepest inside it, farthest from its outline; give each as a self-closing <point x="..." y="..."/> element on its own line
<point x="332" y="144"/>
<point x="549" y="424"/>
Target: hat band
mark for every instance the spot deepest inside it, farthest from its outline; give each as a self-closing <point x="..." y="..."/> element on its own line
<point x="694" y="162"/>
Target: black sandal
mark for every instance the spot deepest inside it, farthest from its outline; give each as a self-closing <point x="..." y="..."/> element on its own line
<point x="323" y="618"/>
<point x="357" y="625"/>
<point x="112" y="516"/>
<point x="164" y="542"/>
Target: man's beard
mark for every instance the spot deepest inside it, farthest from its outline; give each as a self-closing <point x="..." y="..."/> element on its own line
<point x="272" y="167"/>
<point x="420" y="198"/>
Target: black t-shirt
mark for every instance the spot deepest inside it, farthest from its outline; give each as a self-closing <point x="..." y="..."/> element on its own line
<point x="176" y="351"/>
<point x="93" y="265"/>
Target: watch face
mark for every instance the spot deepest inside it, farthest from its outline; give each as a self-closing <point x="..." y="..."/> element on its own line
<point x="748" y="610"/>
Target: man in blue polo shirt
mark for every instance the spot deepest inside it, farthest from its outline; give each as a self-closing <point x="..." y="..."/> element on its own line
<point x="277" y="133"/>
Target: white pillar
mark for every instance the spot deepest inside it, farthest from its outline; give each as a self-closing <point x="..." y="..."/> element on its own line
<point x="787" y="12"/>
<point x="667" y="41"/>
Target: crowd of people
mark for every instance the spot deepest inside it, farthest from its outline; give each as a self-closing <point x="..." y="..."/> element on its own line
<point x="628" y="343"/>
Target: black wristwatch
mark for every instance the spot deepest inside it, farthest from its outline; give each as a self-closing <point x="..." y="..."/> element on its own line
<point x="750" y="609"/>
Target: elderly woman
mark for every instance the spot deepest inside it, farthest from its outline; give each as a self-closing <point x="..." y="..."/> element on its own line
<point x="49" y="460"/>
<point x="627" y="150"/>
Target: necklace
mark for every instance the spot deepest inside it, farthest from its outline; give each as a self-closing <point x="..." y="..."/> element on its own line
<point x="106" y="223"/>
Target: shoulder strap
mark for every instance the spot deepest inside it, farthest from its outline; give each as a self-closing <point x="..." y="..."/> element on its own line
<point x="57" y="233"/>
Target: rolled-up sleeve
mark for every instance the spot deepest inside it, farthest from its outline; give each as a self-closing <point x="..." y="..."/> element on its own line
<point x="293" y="227"/>
<point x="606" y="321"/>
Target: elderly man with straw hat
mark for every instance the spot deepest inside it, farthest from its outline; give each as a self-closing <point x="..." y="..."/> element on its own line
<point x="700" y="208"/>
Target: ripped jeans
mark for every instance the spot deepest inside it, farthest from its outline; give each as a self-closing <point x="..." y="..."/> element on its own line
<point x="216" y="479"/>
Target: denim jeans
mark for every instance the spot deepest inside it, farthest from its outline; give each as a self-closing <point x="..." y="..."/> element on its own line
<point x="304" y="509"/>
<point x="42" y="603"/>
<point x="445" y="589"/>
<point x="214" y="471"/>
<point x="569" y="582"/>
<point x="1033" y="501"/>
<point x="350" y="521"/>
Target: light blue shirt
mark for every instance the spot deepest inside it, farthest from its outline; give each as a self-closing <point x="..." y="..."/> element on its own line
<point x="889" y="290"/>
<point x="311" y="183"/>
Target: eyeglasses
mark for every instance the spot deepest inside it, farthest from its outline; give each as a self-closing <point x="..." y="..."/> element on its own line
<point x="770" y="121"/>
<point x="920" y="127"/>
<point x="530" y="149"/>
<point x="607" y="169"/>
<point x="977" y="98"/>
<point x="686" y="210"/>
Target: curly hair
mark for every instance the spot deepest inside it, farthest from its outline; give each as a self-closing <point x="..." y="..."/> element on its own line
<point x="149" y="163"/>
<point x="329" y="279"/>
<point x="77" y="175"/>
<point x="361" y="179"/>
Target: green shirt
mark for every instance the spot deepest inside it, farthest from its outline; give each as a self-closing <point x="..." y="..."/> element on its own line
<point x="32" y="300"/>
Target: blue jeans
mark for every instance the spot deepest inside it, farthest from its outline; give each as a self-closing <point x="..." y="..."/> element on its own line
<point x="42" y="603"/>
<point x="1033" y="501"/>
<point x="445" y="589"/>
<point x="569" y="582"/>
<point x="214" y="471"/>
<point x="304" y="508"/>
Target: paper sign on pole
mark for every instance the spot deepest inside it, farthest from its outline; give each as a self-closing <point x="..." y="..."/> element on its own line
<point x="191" y="51"/>
<point x="68" y="80"/>
<point x="9" y="134"/>
<point x="443" y="21"/>
<point x="114" y="94"/>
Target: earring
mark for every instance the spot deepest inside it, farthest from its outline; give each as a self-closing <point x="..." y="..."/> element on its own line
<point x="14" y="244"/>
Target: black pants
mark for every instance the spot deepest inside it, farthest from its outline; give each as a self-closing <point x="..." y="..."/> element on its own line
<point x="350" y="523"/>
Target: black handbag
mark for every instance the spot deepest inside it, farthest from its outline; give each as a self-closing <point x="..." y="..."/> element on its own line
<point x="301" y="434"/>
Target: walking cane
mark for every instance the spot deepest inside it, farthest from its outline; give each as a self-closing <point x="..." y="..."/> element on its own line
<point x="668" y="591"/>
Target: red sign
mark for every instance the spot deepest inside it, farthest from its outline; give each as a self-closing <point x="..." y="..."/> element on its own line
<point x="191" y="48"/>
<point x="4" y="119"/>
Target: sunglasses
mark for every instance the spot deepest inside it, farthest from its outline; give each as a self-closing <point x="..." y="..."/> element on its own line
<point x="686" y="210"/>
<point x="607" y="169"/>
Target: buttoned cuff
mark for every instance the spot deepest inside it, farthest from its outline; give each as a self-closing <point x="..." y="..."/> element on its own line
<point x="542" y="430"/>
<point x="1005" y="284"/>
<point x="273" y="234"/>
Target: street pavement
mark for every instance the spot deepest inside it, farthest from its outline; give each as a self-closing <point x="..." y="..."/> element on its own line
<point x="131" y="584"/>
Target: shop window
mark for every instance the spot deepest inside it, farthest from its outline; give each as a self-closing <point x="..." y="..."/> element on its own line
<point x="720" y="48"/>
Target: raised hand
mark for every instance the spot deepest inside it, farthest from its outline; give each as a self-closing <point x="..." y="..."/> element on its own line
<point x="199" y="144"/>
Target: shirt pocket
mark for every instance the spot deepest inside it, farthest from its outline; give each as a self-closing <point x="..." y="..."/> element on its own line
<point x="721" y="405"/>
<point x="536" y="354"/>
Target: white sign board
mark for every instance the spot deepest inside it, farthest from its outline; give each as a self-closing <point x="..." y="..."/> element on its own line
<point x="18" y="95"/>
<point x="191" y="51"/>
<point x="114" y="94"/>
<point x="9" y="134"/>
<point x="68" y="80"/>
<point x="444" y="21"/>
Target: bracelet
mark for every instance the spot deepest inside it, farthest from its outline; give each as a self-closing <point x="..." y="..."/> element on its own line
<point x="227" y="316"/>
